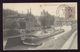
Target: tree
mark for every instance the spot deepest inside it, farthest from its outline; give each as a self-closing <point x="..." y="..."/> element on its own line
<point x="8" y="12"/>
<point x="46" y="20"/>
<point x="10" y="25"/>
<point x="31" y="22"/>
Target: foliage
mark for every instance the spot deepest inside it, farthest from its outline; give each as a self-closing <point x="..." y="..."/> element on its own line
<point x="46" y="20"/>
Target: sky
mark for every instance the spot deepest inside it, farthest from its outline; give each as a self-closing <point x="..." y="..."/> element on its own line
<point x="35" y="7"/>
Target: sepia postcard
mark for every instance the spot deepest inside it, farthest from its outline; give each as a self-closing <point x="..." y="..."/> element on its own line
<point x="40" y="26"/>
